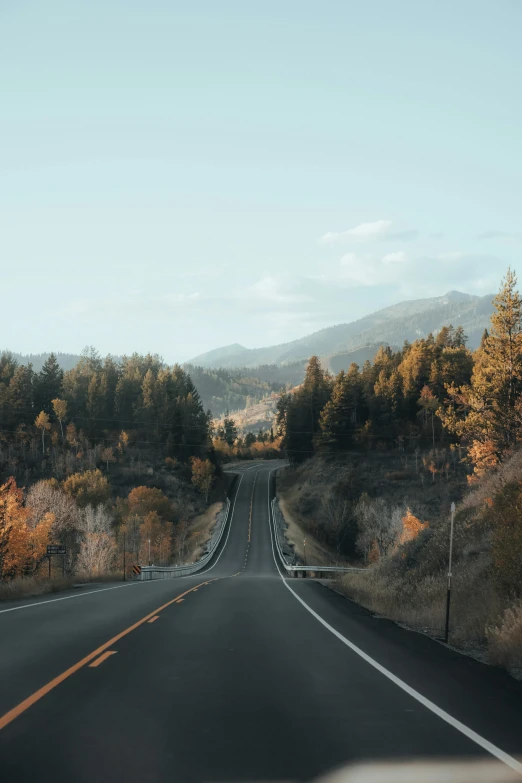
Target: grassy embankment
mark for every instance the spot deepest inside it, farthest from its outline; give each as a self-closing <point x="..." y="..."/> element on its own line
<point x="409" y="584"/>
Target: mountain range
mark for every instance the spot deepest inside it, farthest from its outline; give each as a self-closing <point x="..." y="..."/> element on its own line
<point x="358" y="340"/>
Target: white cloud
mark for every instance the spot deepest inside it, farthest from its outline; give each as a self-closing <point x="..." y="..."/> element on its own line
<point x="276" y="290"/>
<point x="370" y="270"/>
<point x="361" y="233"/>
<point x="395" y="258"/>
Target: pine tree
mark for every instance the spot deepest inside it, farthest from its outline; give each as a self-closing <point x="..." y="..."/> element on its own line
<point x="488" y="411"/>
<point x="49" y="382"/>
<point x="337" y="417"/>
<point x="303" y="412"/>
<point x="148" y="398"/>
<point x="20" y="393"/>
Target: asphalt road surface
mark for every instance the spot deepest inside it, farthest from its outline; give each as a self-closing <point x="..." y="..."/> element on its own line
<point x="234" y="674"/>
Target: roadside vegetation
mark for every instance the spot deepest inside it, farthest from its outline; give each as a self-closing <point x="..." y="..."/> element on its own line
<point x="115" y="460"/>
<point x="379" y="453"/>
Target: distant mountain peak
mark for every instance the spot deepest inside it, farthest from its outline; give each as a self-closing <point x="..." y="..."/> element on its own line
<point x="458" y="296"/>
<point x="218" y="354"/>
<point x="407" y="320"/>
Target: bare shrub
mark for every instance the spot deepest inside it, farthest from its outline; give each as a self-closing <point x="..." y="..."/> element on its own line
<point x="97" y="548"/>
<point x="419" y="602"/>
<point x="505" y="639"/>
<point x="336" y="513"/>
<point x="43" y="498"/>
<point x="379" y="524"/>
<point x="25" y="586"/>
<point x="308" y="502"/>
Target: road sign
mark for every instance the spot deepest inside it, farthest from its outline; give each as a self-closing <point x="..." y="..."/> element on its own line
<point x="56" y="549"/>
<point x="137" y="569"/>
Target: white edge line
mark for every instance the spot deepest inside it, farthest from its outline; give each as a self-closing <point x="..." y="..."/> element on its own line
<point x="510" y="761"/>
<point x="130" y="584"/>
<point x="67" y="597"/>
<point x="205" y="570"/>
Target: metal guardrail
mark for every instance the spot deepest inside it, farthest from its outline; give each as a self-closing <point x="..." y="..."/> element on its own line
<point x="295" y="570"/>
<point x="170" y="572"/>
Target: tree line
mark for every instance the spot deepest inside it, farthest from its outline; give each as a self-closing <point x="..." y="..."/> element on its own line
<point x="100" y="403"/>
<point x="431" y="391"/>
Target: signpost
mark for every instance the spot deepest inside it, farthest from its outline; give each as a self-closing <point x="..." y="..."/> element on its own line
<point x="56" y="549"/>
<point x="448" y="595"/>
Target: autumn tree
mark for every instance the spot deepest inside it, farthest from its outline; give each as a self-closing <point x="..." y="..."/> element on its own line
<point x="42" y="499"/>
<point x="145" y="500"/>
<point x="43" y="424"/>
<point x="23" y="541"/>
<point x="411" y="527"/>
<point x="60" y="411"/>
<point x="107" y="455"/>
<point x="487" y="413"/>
<point x="202" y="475"/>
<point x="123" y="442"/>
<point x="88" y="488"/>
<point x="160" y="534"/>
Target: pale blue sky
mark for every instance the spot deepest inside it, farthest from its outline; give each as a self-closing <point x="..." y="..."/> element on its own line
<point x="169" y="170"/>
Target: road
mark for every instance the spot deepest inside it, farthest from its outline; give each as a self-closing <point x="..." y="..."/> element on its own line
<point x="248" y="676"/>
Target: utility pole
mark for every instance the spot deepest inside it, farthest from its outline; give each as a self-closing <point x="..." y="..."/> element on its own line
<point x="304" y="548"/>
<point x="150" y="562"/>
<point x="448" y="596"/>
<point x="124" y="563"/>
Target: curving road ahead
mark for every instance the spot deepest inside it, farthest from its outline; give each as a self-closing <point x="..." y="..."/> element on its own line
<point x="233" y="674"/>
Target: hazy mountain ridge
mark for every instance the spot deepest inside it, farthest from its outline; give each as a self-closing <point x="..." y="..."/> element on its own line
<point x="407" y="320"/>
<point x="234" y="377"/>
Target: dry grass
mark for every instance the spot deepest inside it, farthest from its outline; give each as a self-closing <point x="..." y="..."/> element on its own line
<point x="201" y="528"/>
<point x="409" y="585"/>
<point x="23" y="587"/>
<point x="296" y="532"/>
<point x="505" y="640"/>
<point x="420" y="603"/>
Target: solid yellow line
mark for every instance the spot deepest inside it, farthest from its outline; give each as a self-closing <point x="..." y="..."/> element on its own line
<point x="102" y="658"/>
<point x="41" y="692"/>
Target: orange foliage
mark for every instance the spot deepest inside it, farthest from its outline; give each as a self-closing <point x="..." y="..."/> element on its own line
<point x="159" y="534"/>
<point x="484" y="456"/>
<point x="22" y="546"/>
<point x="411" y="527"/>
<point x="143" y="500"/>
<point x="202" y="475"/>
<point x="374" y="553"/>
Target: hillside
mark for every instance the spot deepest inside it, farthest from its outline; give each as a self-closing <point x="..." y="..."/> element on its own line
<point x="407" y="320"/>
<point x="234" y="377"/>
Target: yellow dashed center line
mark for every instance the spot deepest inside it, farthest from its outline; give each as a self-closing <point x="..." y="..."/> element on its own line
<point x="95" y="654"/>
<point x="153" y="619"/>
<point x="102" y="658"/>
